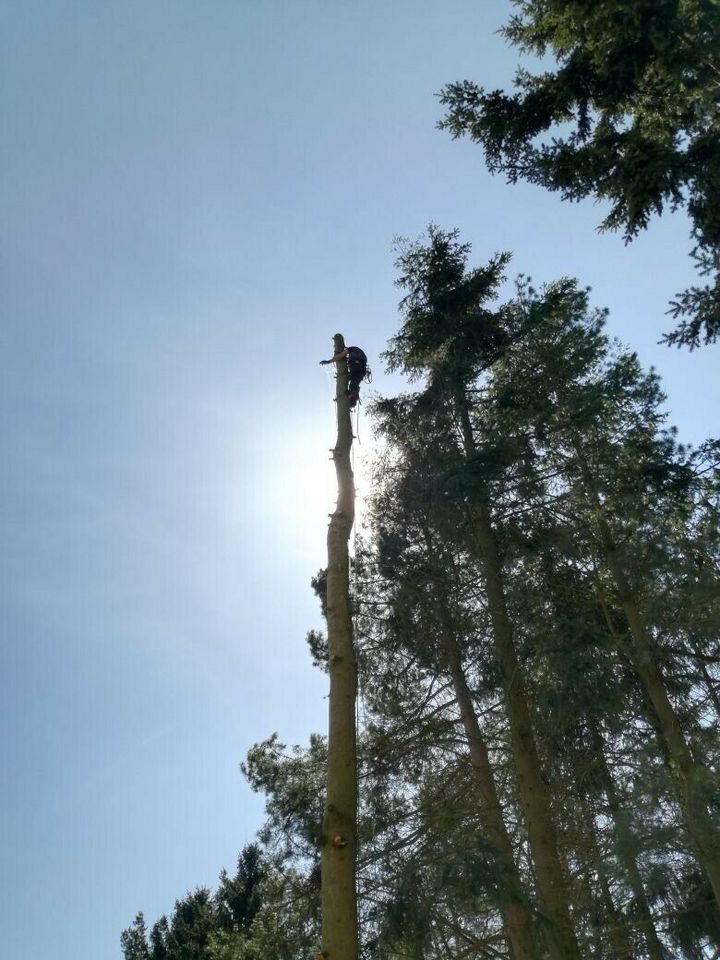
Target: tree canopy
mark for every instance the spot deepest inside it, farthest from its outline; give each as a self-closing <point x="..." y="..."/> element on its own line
<point x="627" y="113"/>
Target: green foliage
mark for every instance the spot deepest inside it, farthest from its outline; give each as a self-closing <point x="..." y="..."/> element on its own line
<point x="445" y="318"/>
<point x="293" y="783"/>
<point x="201" y="917"/>
<point x="238" y="899"/>
<point x="629" y="114"/>
<point x="134" y="941"/>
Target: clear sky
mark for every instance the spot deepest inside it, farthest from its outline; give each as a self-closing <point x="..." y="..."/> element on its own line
<point x="193" y="198"/>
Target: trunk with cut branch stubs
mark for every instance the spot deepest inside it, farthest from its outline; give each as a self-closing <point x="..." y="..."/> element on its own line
<point x="339" y="835"/>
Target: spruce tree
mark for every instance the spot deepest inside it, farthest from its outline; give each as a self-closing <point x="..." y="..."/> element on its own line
<point x="627" y="113"/>
<point x="449" y="335"/>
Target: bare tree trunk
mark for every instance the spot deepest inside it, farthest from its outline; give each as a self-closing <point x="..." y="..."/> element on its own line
<point x="532" y="788"/>
<point x="339" y="835"/>
<point x="692" y="787"/>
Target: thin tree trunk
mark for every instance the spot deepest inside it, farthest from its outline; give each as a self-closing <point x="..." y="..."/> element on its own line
<point x="511" y="897"/>
<point x="618" y="937"/>
<point x="609" y="923"/>
<point x="339" y="835"/>
<point x="626" y="846"/>
<point x="692" y="790"/>
<point x="532" y="788"/>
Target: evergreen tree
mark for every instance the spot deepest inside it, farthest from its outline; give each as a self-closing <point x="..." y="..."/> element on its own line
<point x="427" y="619"/>
<point x="572" y="653"/>
<point x="201" y="917"/>
<point x="134" y="940"/>
<point x="597" y="419"/>
<point x="449" y="334"/>
<point x="629" y="114"/>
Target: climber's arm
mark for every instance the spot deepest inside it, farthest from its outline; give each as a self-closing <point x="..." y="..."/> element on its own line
<point x="343" y="355"/>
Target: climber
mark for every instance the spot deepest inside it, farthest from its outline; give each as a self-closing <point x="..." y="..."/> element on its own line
<point x="357" y="370"/>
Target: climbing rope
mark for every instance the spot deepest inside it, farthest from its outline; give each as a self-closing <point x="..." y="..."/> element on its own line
<point x="360" y="713"/>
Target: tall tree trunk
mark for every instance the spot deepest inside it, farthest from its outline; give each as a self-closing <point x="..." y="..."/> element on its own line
<point x="626" y="846"/>
<point x="532" y="788"/>
<point x="339" y="835"/>
<point x="610" y="926"/>
<point x="618" y="938"/>
<point x="691" y="779"/>
<point x="511" y="896"/>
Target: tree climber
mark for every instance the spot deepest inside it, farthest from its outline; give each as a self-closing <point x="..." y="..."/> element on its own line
<point x="357" y="370"/>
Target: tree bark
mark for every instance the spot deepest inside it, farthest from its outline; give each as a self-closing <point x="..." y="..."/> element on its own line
<point x="339" y="835"/>
<point x="532" y="787"/>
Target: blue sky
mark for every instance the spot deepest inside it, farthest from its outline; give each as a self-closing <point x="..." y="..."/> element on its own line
<point x="194" y="197"/>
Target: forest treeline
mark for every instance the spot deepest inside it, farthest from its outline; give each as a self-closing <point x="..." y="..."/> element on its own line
<point x="536" y="589"/>
<point x="538" y="621"/>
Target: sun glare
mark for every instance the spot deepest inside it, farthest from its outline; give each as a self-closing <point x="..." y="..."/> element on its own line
<point x="305" y="495"/>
